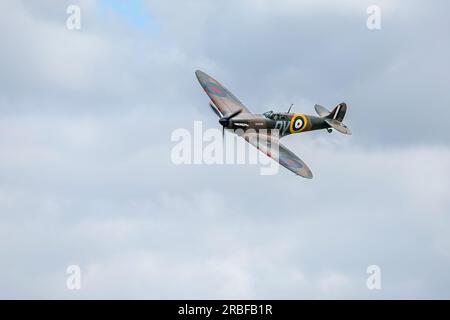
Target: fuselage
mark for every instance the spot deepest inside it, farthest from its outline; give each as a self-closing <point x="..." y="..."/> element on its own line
<point x="285" y="123"/>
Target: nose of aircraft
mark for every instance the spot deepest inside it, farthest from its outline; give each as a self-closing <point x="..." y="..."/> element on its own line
<point x="224" y="121"/>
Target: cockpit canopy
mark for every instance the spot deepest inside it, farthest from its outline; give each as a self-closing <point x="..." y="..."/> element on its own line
<point x="276" y="116"/>
<point x="268" y="114"/>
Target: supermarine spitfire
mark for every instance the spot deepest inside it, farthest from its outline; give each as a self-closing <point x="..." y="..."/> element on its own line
<point x="255" y="127"/>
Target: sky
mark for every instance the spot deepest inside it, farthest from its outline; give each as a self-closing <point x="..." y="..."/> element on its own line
<point x="86" y="176"/>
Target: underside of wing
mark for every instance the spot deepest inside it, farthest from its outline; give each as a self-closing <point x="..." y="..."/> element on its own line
<point x="223" y="100"/>
<point x="272" y="147"/>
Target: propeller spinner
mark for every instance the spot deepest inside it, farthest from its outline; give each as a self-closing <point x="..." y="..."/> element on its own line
<point x="225" y="121"/>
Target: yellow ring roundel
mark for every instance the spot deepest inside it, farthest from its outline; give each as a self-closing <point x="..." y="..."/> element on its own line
<point x="298" y="123"/>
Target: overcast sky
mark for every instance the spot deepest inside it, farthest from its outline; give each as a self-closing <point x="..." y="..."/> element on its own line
<point x="86" y="176"/>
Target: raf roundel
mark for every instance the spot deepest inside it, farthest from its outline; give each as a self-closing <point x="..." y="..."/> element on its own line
<point x="298" y="123"/>
<point x="286" y="161"/>
<point x="215" y="89"/>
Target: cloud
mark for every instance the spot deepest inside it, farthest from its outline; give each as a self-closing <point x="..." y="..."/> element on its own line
<point x="86" y="177"/>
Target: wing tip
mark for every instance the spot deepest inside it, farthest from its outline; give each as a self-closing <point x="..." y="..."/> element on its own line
<point x="200" y="74"/>
<point x="304" y="173"/>
<point x="309" y="175"/>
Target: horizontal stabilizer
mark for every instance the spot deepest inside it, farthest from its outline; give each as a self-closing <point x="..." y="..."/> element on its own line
<point x="322" y="111"/>
<point x="339" y="126"/>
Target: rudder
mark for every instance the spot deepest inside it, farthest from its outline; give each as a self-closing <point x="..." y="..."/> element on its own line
<point x="338" y="113"/>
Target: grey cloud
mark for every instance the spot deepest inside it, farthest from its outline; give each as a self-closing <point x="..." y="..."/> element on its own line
<point x="86" y="176"/>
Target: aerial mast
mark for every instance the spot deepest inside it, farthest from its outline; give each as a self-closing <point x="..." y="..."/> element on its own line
<point x="290" y="107"/>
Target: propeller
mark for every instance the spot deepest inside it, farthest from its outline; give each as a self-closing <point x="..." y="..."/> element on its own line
<point x="225" y="121"/>
<point x="216" y="111"/>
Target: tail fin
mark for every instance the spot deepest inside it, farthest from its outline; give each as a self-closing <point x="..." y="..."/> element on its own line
<point x="338" y="113"/>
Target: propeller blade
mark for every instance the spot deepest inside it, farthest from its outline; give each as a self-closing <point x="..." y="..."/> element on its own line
<point x="234" y="114"/>
<point x="216" y="111"/>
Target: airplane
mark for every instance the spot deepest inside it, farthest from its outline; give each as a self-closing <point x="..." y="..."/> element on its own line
<point x="234" y="115"/>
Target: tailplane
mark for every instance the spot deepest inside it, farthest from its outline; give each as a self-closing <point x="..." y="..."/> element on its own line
<point x="322" y="111"/>
<point x="339" y="126"/>
<point x="334" y="117"/>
